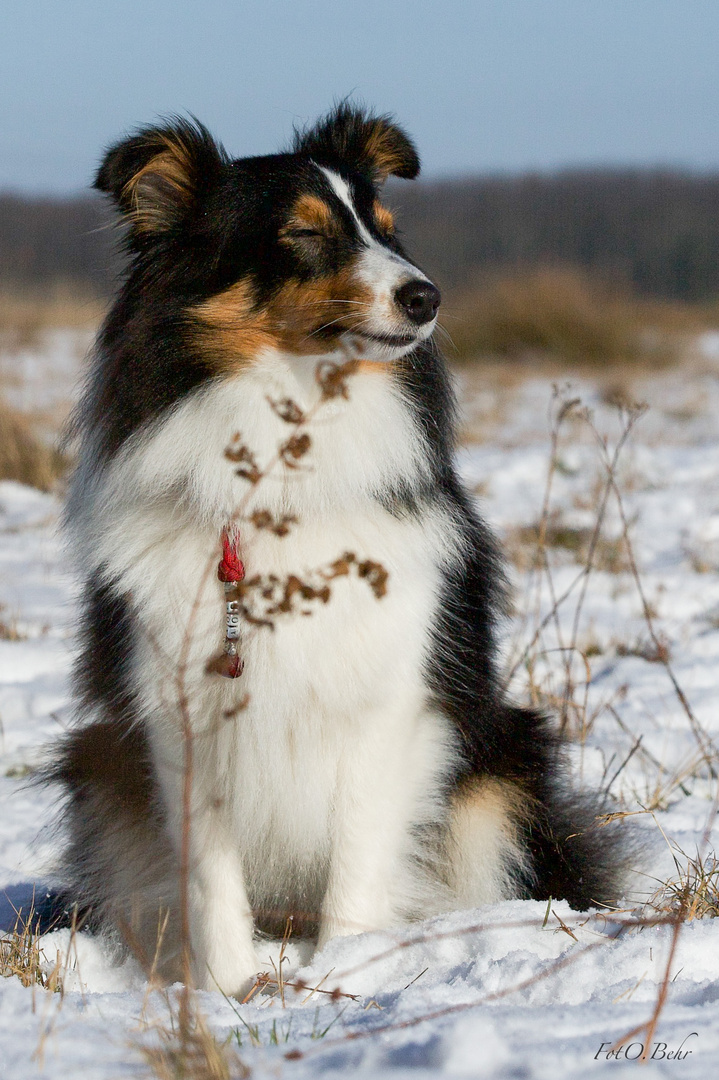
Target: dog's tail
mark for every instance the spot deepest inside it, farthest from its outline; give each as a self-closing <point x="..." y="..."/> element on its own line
<point x="581" y="850"/>
<point x="579" y="853"/>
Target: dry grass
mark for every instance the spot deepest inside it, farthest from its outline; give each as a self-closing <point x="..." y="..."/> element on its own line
<point x="194" y="1054"/>
<point x="566" y="315"/>
<point x="33" y="379"/>
<point x="22" y="957"/>
<point x="693" y="893"/>
<point x="9" y="629"/>
<point x="594" y="549"/>
<point x="24" y="318"/>
<point x="524" y="548"/>
<point x="23" y="457"/>
<point x="26" y="315"/>
<point x="656" y="651"/>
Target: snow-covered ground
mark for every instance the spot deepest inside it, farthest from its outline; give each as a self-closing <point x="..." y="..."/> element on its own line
<point x="505" y="991"/>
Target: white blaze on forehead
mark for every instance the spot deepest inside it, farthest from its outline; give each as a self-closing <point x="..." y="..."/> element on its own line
<point x="343" y="193"/>
<point x="403" y="269"/>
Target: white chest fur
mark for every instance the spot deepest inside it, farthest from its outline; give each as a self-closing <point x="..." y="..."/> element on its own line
<point x="335" y="719"/>
<point x="154" y="519"/>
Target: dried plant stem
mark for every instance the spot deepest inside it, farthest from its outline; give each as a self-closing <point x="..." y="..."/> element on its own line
<point x="679" y="917"/>
<point x="542" y="555"/>
<point x="707" y="746"/>
<point x="610" y="484"/>
<point x="649" y="1027"/>
<point x="382" y="1029"/>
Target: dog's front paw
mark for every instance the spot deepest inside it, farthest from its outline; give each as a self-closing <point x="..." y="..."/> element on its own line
<point x="234" y="977"/>
<point x="250" y="987"/>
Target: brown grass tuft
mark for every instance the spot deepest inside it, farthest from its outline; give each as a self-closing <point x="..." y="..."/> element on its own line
<point x="23" y="457"/>
<point x="523" y="544"/>
<point x="9" y="629"/>
<point x="694" y="893"/>
<point x="197" y="1055"/>
<point x="565" y="314"/>
<point x="22" y="957"/>
<point x="26" y="314"/>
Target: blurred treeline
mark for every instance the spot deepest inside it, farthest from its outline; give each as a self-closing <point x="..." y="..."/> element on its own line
<point x="49" y="243"/>
<point x="654" y="233"/>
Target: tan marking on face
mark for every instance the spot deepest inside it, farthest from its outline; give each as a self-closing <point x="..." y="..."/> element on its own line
<point x="310" y="212"/>
<point x="231" y="330"/>
<point x="301" y="308"/>
<point x="164" y="180"/>
<point x="384" y="218"/>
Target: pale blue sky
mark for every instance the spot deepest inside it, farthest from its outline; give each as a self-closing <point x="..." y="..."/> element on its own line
<point x="483" y="85"/>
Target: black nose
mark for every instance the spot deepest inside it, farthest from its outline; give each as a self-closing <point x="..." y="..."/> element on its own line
<point x="418" y="300"/>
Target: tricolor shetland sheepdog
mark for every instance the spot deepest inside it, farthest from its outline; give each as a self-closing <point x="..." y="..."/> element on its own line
<point x="268" y="378"/>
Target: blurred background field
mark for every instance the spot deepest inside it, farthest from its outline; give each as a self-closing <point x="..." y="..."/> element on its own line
<point x="569" y="211"/>
<point x="568" y="205"/>
<point x="613" y="272"/>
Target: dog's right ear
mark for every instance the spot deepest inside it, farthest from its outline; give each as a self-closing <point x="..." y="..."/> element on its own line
<point x="157" y="175"/>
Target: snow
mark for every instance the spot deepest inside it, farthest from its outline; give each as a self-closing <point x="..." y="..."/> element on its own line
<point x="519" y="989"/>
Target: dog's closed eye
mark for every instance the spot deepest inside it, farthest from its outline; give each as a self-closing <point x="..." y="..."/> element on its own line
<point x="303" y="234"/>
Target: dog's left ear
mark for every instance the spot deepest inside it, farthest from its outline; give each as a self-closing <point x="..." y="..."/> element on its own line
<point x="359" y="140"/>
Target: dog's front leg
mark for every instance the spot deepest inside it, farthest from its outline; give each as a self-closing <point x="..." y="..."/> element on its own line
<point x="374" y="802"/>
<point x="220" y="913"/>
<point x="221" y="926"/>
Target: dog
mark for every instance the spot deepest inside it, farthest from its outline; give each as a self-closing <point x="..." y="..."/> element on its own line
<point x="268" y="379"/>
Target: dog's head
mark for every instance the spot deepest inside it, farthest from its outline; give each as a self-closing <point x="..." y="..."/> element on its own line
<point x="292" y="251"/>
